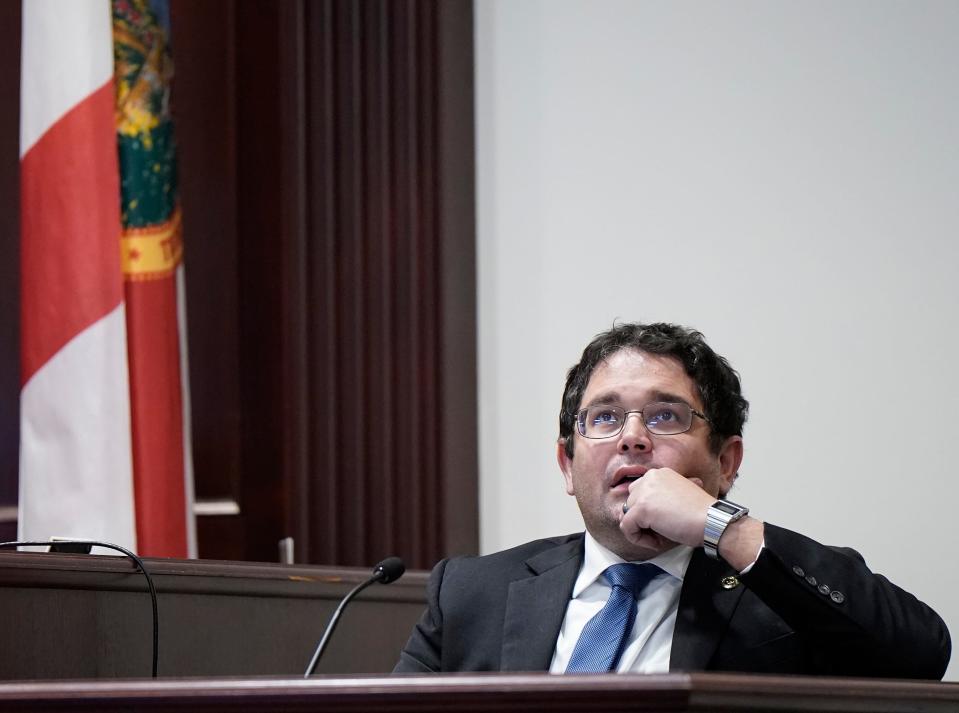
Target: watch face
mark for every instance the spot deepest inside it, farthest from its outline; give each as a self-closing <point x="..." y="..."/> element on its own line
<point x="726" y="507"/>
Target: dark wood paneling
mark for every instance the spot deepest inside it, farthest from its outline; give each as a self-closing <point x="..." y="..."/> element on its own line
<point x="83" y="616"/>
<point x="205" y="118"/>
<point x="326" y="174"/>
<point x="265" y="241"/>
<point x="9" y="257"/>
<point x="382" y="313"/>
<point x="345" y="289"/>
<point x="457" y="275"/>
<point x="495" y="693"/>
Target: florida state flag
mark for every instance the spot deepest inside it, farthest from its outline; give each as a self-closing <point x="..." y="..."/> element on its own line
<point x="151" y="256"/>
<point x="103" y="396"/>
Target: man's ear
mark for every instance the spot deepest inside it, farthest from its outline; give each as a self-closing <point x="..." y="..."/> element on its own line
<point x="565" y="464"/>
<point x="730" y="458"/>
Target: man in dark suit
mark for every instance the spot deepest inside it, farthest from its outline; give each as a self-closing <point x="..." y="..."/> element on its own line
<point x="650" y="444"/>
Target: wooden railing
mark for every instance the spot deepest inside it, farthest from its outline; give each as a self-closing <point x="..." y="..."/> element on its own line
<point x="236" y="636"/>
<point x="82" y="616"/>
<point x="494" y="692"/>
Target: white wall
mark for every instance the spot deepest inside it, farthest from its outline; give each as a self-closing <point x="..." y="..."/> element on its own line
<point x="783" y="177"/>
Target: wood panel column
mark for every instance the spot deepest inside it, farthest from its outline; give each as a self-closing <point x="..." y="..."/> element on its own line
<point x="327" y="163"/>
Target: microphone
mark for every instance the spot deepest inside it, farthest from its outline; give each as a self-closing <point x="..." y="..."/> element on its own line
<point x="389" y="570"/>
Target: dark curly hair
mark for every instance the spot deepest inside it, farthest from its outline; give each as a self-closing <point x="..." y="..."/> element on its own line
<point x="717" y="381"/>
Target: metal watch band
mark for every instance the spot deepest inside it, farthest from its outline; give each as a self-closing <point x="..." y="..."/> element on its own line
<point x="720" y="515"/>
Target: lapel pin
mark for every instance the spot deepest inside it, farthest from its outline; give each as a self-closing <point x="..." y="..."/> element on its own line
<point x="729" y="582"/>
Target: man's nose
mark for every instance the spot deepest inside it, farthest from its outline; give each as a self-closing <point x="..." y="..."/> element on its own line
<point x="634" y="435"/>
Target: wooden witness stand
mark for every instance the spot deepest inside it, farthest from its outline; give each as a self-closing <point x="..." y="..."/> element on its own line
<point x="81" y="616"/>
<point x="236" y="636"/>
<point x="490" y="692"/>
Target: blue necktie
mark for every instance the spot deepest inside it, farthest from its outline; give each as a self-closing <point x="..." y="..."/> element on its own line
<point x="605" y="635"/>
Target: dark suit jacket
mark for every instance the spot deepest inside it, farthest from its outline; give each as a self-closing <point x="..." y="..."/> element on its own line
<point x="803" y="608"/>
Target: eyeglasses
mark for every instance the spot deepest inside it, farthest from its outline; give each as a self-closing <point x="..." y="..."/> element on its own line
<point x="659" y="417"/>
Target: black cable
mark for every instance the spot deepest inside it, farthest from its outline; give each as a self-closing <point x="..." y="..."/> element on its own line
<point x="118" y="548"/>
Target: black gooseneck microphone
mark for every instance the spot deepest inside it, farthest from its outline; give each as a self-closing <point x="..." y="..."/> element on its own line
<point x="389" y="570"/>
<point x="136" y="560"/>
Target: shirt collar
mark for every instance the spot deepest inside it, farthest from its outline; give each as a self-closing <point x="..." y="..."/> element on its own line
<point x="597" y="558"/>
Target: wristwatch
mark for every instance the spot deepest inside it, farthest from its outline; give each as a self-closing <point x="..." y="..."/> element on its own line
<point x="721" y="514"/>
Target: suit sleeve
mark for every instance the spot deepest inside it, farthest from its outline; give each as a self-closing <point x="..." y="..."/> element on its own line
<point x="853" y="621"/>
<point x="423" y="652"/>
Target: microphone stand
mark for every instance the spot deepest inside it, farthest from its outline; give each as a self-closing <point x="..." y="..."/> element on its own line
<point x="333" y="621"/>
<point x="387" y="571"/>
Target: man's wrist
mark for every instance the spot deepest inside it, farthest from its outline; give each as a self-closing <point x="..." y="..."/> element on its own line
<point x="742" y="542"/>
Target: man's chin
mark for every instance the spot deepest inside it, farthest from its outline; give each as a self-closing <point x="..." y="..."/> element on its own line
<point x="651" y="545"/>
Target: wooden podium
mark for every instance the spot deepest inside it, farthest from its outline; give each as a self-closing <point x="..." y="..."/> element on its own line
<point x="495" y="693"/>
<point x="83" y="616"/>
<point x="237" y="636"/>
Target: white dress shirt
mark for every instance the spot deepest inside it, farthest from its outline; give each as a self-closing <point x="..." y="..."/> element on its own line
<point x="651" y="640"/>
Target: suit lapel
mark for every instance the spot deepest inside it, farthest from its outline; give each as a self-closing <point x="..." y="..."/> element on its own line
<point x="705" y="608"/>
<point x="536" y="606"/>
